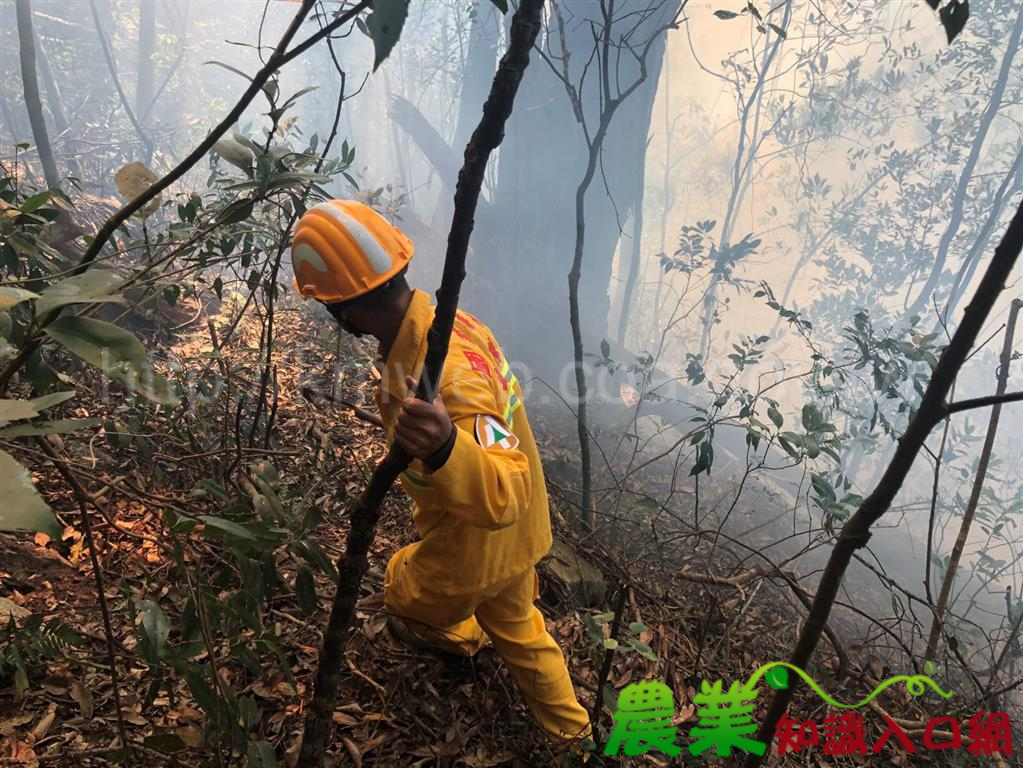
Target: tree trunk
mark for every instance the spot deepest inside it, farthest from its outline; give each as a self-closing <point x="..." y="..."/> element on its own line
<point x="108" y="55"/>
<point x="147" y="47"/>
<point x="962" y="188"/>
<point x="485" y="139"/>
<point x="539" y="166"/>
<point x="742" y="171"/>
<point x="480" y="61"/>
<point x="1008" y="188"/>
<point x="629" y="286"/>
<point x="30" y="83"/>
<point x="978" y="485"/>
<point x="856" y="532"/>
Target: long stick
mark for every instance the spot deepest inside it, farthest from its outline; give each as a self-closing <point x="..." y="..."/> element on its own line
<point x="487" y="136"/>
<point x="978" y="485"/>
<point x="856" y="532"/>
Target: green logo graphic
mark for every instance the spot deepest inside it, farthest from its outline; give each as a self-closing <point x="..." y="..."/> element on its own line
<point x="643" y="718"/>
<point x="727" y="720"/>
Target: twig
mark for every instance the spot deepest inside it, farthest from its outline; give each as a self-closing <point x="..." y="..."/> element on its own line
<point x="310" y="394"/>
<point x="82" y="497"/>
<point x="605" y="667"/>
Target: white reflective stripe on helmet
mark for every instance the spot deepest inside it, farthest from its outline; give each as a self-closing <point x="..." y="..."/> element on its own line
<point x="306" y="253"/>
<point x="377" y="256"/>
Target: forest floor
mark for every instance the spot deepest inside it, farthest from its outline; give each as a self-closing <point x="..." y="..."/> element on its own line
<point x="397" y="706"/>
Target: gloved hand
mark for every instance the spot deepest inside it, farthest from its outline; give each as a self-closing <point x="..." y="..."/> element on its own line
<point x="423" y="429"/>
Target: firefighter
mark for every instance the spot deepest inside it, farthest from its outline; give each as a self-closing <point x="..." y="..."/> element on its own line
<point x="476" y="480"/>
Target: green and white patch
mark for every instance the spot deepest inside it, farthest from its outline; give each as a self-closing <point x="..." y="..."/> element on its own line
<point x="492" y="431"/>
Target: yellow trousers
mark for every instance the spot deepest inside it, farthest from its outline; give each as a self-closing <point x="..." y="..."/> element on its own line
<point x="504" y="614"/>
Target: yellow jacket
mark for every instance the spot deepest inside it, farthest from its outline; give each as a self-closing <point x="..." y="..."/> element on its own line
<point x="483" y="516"/>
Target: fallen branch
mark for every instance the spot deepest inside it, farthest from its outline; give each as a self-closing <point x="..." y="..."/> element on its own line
<point x="352" y="567"/>
<point x="310" y="394"/>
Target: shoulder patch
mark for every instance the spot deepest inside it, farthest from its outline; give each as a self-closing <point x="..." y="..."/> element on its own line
<point x="494" y="351"/>
<point x="466" y="319"/>
<point x="491" y="431"/>
<point x="477" y="362"/>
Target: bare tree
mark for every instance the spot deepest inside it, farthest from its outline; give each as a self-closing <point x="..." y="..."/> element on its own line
<point x="949" y="578"/>
<point x="932" y="409"/>
<point x="607" y="53"/>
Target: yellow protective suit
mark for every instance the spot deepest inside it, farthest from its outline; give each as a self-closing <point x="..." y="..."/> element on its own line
<point x="482" y="518"/>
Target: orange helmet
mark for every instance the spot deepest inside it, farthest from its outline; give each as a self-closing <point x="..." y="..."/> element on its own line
<point x="343" y="249"/>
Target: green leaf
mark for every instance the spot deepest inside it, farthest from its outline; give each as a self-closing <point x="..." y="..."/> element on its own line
<point x="384" y="26"/>
<point x="605" y="349"/>
<point x="725" y="14"/>
<point x="13" y="410"/>
<point x="229" y="527"/>
<point x="502" y="5"/>
<point x="234" y="153"/>
<point x="235" y="212"/>
<point x="261" y="755"/>
<point x="116" y="352"/>
<point x="642" y="649"/>
<point x="778" y="31"/>
<point x="23" y="508"/>
<point x="305" y="590"/>
<point x="10" y="296"/>
<point x="57" y="427"/>
<point x="775" y="416"/>
<point x="610" y="644"/>
<point x="96" y="285"/>
<point x="812" y="417"/>
<point x="229" y="68"/>
<point x="930" y="667"/>
<point x="155" y="629"/>
<point x="953" y="17"/>
<point x="164" y="742"/>
<point x="202" y="693"/>
<point x="35" y="202"/>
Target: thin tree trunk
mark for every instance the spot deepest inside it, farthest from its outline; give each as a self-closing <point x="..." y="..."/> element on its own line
<point x="978" y="485"/>
<point x="53" y="98"/>
<point x="147" y="47"/>
<point x="969" y="265"/>
<point x="625" y="307"/>
<point x="962" y="188"/>
<point x="741" y="174"/>
<point x="55" y="101"/>
<point x="666" y="198"/>
<point x="856" y="532"/>
<point x="486" y="138"/>
<point x="108" y="55"/>
<point x="582" y="427"/>
<point x="30" y="82"/>
<point x="609" y="106"/>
